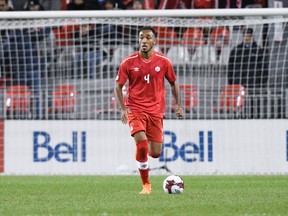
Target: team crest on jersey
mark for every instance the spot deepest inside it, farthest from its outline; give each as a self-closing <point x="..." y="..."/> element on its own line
<point x="157" y="68"/>
<point x="136" y="69"/>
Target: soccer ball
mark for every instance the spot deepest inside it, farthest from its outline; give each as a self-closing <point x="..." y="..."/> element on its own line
<point x="173" y="184"/>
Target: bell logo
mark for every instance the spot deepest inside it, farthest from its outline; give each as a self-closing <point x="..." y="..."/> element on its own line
<point x="189" y="151"/>
<point x="44" y="150"/>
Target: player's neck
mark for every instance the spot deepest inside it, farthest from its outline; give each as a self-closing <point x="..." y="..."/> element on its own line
<point x="147" y="55"/>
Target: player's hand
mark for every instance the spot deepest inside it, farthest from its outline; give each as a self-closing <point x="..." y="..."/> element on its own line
<point x="124" y="115"/>
<point x="179" y="111"/>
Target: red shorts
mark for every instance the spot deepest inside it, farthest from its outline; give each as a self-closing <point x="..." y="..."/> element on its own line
<point x="151" y="125"/>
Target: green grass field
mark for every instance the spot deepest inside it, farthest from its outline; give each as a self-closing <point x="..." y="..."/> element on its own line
<point x="118" y="195"/>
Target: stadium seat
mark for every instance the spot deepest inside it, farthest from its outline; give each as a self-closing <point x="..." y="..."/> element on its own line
<point x="220" y="40"/>
<point x="166" y="36"/>
<point x="18" y="101"/>
<point x="189" y="95"/>
<point x="157" y="48"/>
<point x="203" y="4"/>
<point x="220" y="36"/>
<point x="64" y="50"/>
<point x="232" y="100"/>
<point x="179" y="55"/>
<point x="65" y="62"/>
<point x="120" y="53"/>
<point x="111" y="110"/>
<point x="63" y="35"/>
<point x="224" y="55"/>
<point x="112" y="58"/>
<point x="64" y="99"/>
<point x="192" y="38"/>
<point x="204" y="55"/>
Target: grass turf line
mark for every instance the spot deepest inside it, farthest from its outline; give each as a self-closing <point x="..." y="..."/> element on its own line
<point x="118" y="195"/>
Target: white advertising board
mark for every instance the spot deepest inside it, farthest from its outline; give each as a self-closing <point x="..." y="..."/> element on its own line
<point x="105" y="147"/>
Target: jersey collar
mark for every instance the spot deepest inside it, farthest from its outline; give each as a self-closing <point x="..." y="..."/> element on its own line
<point x="147" y="60"/>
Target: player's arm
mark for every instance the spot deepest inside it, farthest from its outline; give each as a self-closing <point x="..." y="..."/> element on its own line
<point x="120" y="100"/>
<point x="176" y="95"/>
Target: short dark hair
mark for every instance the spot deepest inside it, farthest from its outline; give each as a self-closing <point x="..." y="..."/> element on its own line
<point x="149" y="28"/>
<point x="248" y="31"/>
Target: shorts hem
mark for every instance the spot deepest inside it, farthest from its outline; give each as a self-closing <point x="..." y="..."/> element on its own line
<point x="137" y="132"/>
<point x="155" y="141"/>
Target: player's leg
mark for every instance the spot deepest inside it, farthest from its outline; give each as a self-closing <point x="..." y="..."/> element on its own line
<point x="155" y="149"/>
<point x="154" y="133"/>
<point x="137" y="123"/>
<point x="142" y="160"/>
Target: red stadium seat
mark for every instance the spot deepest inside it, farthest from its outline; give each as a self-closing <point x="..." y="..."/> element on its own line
<point x="220" y="36"/>
<point x="203" y="4"/>
<point x="64" y="35"/>
<point x="111" y="110"/>
<point x="193" y="37"/>
<point x="64" y="99"/>
<point x="166" y="37"/>
<point x="220" y="40"/>
<point x="189" y="94"/>
<point x="18" y="100"/>
<point x="232" y="99"/>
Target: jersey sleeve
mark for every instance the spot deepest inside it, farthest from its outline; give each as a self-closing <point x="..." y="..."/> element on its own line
<point x="170" y="74"/>
<point x="122" y="75"/>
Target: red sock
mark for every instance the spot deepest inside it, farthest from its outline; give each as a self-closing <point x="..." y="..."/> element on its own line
<point x="142" y="161"/>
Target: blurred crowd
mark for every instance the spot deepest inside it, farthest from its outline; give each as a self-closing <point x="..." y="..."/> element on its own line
<point x="32" y="5"/>
<point x="83" y="36"/>
<point x="19" y="60"/>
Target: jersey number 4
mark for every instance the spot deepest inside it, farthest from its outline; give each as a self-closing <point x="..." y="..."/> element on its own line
<point x="147" y="78"/>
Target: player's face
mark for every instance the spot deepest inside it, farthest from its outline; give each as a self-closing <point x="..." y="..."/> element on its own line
<point x="146" y="41"/>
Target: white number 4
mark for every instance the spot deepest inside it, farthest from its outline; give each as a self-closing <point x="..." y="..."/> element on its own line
<point x="147" y="78"/>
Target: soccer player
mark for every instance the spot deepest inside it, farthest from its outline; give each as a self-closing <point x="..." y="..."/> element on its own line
<point x="144" y="108"/>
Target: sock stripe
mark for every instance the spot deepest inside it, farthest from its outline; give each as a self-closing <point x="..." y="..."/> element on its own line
<point x="142" y="165"/>
<point x="142" y="160"/>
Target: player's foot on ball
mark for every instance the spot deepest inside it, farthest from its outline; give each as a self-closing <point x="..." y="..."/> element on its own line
<point x="146" y="189"/>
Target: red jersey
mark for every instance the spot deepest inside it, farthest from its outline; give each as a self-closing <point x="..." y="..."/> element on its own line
<point x="146" y="81"/>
